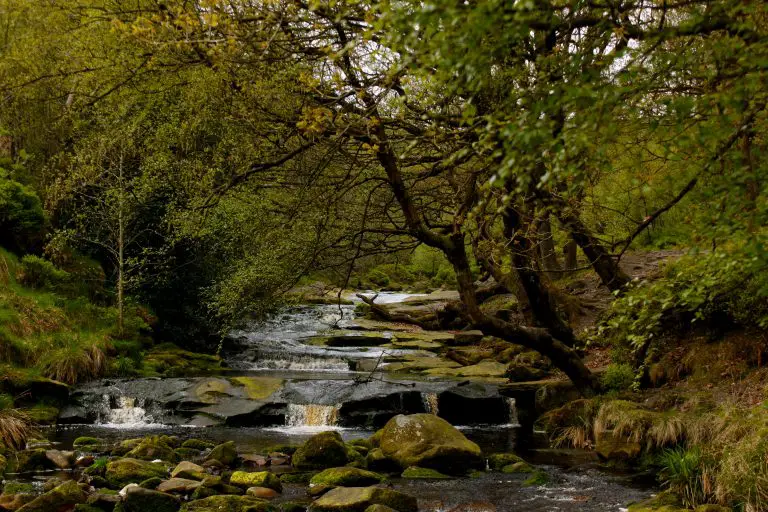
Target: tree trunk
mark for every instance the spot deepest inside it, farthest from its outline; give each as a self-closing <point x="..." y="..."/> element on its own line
<point x="599" y="258"/>
<point x="570" y="251"/>
<point x="536" y="290"/>
<point x="546" y="245"/>
<point x="120" y="255"/>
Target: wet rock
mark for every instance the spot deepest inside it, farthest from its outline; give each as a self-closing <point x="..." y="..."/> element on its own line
<point x="125" y="471"/>
<point x="345" y="477"/>
<point x="427" y="441"/>
<point x="377" y="461"/>
<point x="611" y="446"/>
<point x="62" y="460"/>
<point x="358" y="499"/>
<point x="82" y="442"/>
<point x="467" y="337"/>
<point x="104" y="502"/>
<point x="85" y="461"/>
<point x="197" y="444"/>
<point x="178" y="485"/>
<point x="297" y="477"/>
<point x="258" y="479"/>
<point x="251" y="459"/>
<point x="145" y="500"/>
<point x="663" y="502"/>
<point x="153" y="448"/>
<point x="15" y="501"/>
<point x="66" y="495"/>
<point x="126" y="446"/>
<point x="188" y="470"/>
<point x="516" y="372"/>
<point x="518" y="467"/>
<point x="324" y="450"/>
<point x="226" y="453"/>
<point x="423" y="473"/>
<point x="496" y="461"/>
<point x="227" y="504"/>
<point x="380" y="508"/>
<point x="151" y="483"/>
<point x="262" y="492"/>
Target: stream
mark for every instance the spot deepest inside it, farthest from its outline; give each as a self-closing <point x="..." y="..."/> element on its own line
<point x="296" y="389"/>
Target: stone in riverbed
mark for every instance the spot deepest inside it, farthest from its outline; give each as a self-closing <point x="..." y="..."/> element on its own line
<point x="228" y="503"/>
<point x="427" y="441"/>
<point x="258" y="479"/>
<point x="377" y="461"/>
<point x="425" y="473"/>
<point x="358" y="499"/>
<point x="380" y="508"/>
<point x="197" y="444"/>
<point x="62" y="460"/>
<point x="189" y="470"/>
<point x="145" y="500"/>
<point x="125" y="471"/>
<point x="179" y="485"/>
<point x="346" y="477"/>
<point x="226" y="453"/>
<point x="153" y="448"/>
<point x="65" y="496"/>
<point x="262" y="492"/>
<point x="324" y="450"/>
<point x="612" y="446"/>
<point x="496" y="461"/>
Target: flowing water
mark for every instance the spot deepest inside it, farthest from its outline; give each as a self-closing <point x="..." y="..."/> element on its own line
<point x="315" y="388"/>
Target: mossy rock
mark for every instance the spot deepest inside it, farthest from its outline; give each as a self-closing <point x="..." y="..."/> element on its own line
<point x="152" y="448"/>
<point x="258" y="479"/>
<point x="43" y="414"/>
<point x="146" y="500"/>
<point x="187" y="453"/>
<point x="80" y="507"/>
<point x="87" y="441"/>
<point x="518" y="467"/>
<point x="32" y="460"/>
<point x="321" y="451"/>
<point x="427" y="441"/>
<point x="665" y="501"/>
<point x="358" y="499"/>
<point x="122" y="472"/>
<point x="299" y="477"/>
<point x="66" y="495"/>
<point x="18" y="488"/>
<point x="612" y="446"/>
<point x="346" y="477"/>
<point x="226" y="453"/>
<point x="227" y="503"/>
<point x="537" y="478"/>
<point x="197" y="444"/>
<point x="151" y="483"/>
<point x="291" y="506"/>
<point x="126" y="446"/>
<point x="380" y="508"/>
<point x="288" y="449"/>
<point x="377" y="461"/>
<point x="496" y="461"/>
<point x="188" y="470"/>
<point x="423" y="473"/>
<point x="259" y="388"/>
<point x="361" y="443"/>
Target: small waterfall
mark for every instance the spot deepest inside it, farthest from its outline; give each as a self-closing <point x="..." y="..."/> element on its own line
<point x="122" y="411"/>
<point x="512" y="406"/>
<point x="312" y="415"/>
<point x="430" y="402"/>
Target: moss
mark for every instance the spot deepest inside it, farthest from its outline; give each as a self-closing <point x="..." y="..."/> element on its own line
<point x="297" y="478"/>
<point x="324" y="450"/>
<point x="43" y="414"/>
<point x="518" y="467"/>
<point x="18" y="488"/>
<point x="168" y="360"/>
<point x="226" y="453"/>
<point x="151" y="483"/>
<point x="122" y="472"/>
<point x="416" y="473"/>
<point x="346" y="477"/>
<point x="288" y="449"/>
<point x="186" y="453"/>
<point x="259" y="388"/>
<point x="537" y="478"/>
<point x="351" y="499"/>
<point x="227" y="503"/>
<point x="66" y="495"/>
<point x="197" y="444"/>
<point x="87" y="441"/>
<point x="152" y="448"/>
<point x="257" y="479"/>
<point x="496" y="461"/>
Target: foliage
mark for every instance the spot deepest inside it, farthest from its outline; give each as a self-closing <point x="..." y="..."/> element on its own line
<point x="683" y="471"/>
<point x="618" y="377"/>
<point x="21" y="214"/>
<point x="37" y="272"/>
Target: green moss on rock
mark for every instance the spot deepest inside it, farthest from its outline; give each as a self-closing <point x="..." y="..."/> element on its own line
<point x="197" y="444"/>
<point x="226" y="503"/>
<point x="496" y="461"/>
<point x="66" y="495"/>
<point x="226" y="453"/>
<point x="358" y="499"/>
<point x="258" y="479"/>
<point x="324" y="450"/>
<point x="152" y="448"/>
<point x="122" y="472"/>
<point x="346" y="477"/>
<point x="425" y="473"/>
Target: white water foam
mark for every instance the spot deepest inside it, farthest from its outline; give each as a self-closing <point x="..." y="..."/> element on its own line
<point x="130" y="414"/>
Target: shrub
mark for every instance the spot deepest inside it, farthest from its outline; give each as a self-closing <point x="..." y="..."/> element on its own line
<point x="37" y="272"/>
<point x="378" y="278"/>
<point x="618" y="377"/>
<point x="21" y="214"/>
<point x="75" y="363"/>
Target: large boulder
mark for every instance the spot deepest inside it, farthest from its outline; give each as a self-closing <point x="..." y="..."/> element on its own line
<point x="257" y="479"/>
<point x="612" y="446"/>
<point x="189" y="470"/>
<point x="358" y="499"/>
<point x="122" y="472"/>
<point x="63" y="497"/>
<point x="228" y="503"/>
<point x="324" y="450"/>
<point x="145" y="500"/>
<point x="427" y="441"/>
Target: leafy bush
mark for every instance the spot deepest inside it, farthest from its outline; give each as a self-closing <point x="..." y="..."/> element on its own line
<point x="618" y="377"/>
<point x="37" y="272"/>
<point x="21" y="214"/>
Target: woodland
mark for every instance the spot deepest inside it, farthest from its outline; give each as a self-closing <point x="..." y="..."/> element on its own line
<point x="589" y="176"/>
